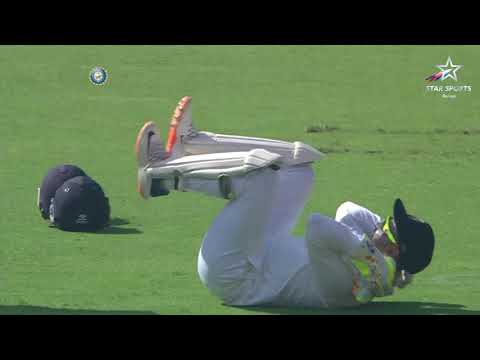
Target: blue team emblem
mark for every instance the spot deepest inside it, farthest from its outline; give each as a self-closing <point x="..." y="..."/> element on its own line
<point x="98" y="76"/>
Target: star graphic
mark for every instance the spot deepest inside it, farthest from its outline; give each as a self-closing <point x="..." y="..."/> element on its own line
<point x="449" y="70"/>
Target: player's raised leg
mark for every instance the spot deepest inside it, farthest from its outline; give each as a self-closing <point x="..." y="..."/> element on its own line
<point x="228" y="261"/>
<point x="293" y="187"/>
<point x="194" y="142"/>
<point x="160" y="171"/>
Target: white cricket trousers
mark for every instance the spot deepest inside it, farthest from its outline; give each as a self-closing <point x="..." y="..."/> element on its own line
<point x="268" y="205"/>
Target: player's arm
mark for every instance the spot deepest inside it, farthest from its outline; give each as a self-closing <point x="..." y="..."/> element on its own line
<point x="381" y="269"/>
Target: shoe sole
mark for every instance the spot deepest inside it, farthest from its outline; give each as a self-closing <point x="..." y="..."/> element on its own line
<point x="175" y="122"/>
<point x="138" y="141"/>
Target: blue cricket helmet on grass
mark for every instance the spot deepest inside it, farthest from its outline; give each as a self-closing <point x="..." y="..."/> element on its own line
<point x="51" y="182"/>
<point x="80" y="205"/>
<point x="72" y="200"/>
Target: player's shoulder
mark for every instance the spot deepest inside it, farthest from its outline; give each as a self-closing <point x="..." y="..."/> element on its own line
<point x="350" y="208"/>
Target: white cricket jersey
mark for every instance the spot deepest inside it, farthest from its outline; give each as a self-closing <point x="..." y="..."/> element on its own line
<point x="288" y="275"/>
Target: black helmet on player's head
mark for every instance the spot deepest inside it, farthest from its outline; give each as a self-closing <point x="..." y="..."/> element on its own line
<point x="415" y="239"/>
<point x="72" y="200"/>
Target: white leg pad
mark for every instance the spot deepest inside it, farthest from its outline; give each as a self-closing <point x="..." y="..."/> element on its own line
<point x="210" y="166"/>
<point x="294" y="153"/>
<point x="219" y="175"/>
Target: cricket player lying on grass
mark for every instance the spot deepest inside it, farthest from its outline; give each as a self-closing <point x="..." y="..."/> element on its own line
<point x="249" y="256"/>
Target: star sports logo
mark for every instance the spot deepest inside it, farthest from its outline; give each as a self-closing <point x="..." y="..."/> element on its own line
<point x="448" y="70"/>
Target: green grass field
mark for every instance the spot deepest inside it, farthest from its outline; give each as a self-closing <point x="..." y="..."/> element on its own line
<point x="391" y="138"/>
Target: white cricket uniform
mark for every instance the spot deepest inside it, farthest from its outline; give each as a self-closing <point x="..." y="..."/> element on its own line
<point x="249" y="257"/>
